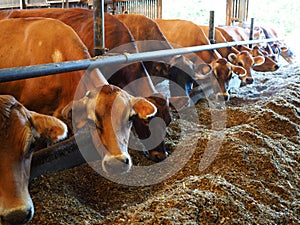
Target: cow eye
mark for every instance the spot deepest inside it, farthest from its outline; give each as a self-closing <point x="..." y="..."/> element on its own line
<point x="240" y="64"/>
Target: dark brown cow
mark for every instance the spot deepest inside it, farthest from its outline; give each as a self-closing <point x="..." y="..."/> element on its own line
<point x="118" y="39"/>
<point x="19" y="131"/>
<point x="30" y="41"/>
<point x="150" y="38"/>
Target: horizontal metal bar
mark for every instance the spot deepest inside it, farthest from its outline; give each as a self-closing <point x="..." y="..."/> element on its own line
<point x="25" y="72"/>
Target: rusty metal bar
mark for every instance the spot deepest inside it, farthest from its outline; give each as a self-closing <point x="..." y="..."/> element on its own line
<point x="26" y="72"/>
<point x="99" y="40"/>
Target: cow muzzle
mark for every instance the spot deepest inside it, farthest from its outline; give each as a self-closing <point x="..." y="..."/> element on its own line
<point x="18" y="216"/>
<point x="158" y="154"/>
<point x="222" y="96"/>
<point x="116" y="164"/>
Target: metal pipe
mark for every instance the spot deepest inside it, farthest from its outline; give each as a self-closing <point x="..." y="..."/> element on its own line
<point x="99" y="40"/>
<point x="211" y="33"/>
<point x="251" y="37"/>
<point x="229" y="12"/>
<point x="26" y="72"/>
<point x="22" y="4"/>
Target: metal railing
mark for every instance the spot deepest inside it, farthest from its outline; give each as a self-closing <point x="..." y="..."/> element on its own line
<point x="25" y="72"/>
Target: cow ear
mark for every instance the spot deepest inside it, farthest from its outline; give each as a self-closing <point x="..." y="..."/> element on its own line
<point x="258" y="60"/>
<point x="204" y="68"/>
<point x="48" y="127"/>
<point x="179" y="102"/>
<point x="75" y="113"/>
<point x="232" y="58"/>
<point x="143" y="108"/>
<point x="239" y="70"/>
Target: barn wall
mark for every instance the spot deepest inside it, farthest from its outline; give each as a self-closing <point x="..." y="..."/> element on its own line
<point x="149" y="8"/>
<point x="16" y="3"/>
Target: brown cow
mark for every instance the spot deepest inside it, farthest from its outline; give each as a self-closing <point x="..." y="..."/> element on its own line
<point x="19" y="131"/>
<point x="192" y="35"/>
<point x="183" y="33"/>
<point x="150" y="38"/>
<point x="219" y="82"/>
<point x="247" y="61"/>
<point x="219" y="38"/>
<point x="118" y="39"/>
<point x="278" y="47"/>
<point x="30" y="41"/>
<point x="232" y="33"/>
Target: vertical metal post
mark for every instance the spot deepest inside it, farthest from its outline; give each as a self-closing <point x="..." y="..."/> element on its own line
<point x="159" y="9"/>
<point x="251" y="31"/>
<point x="229" y="12"/>
<point x="99" y="40"/>
<point x="211" y="33"/>
<point x="22" y="4"/>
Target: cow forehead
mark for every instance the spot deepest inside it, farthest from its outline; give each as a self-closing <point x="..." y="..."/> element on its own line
<point x="113" y="101"/>
<point x="20" y="135"/>
<point x="245" y="57"/>
<point x="221" y="68"/>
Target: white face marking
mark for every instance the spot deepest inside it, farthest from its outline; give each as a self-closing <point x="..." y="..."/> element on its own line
<point x="57" y="56"/>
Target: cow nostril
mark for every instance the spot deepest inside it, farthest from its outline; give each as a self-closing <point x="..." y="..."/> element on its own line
<point x="126" y="161"/>
<point x="276" y="67"/>
<point x="156" y="156"/>
<point x="249" y="80"/>
<point x="160" y="157"/>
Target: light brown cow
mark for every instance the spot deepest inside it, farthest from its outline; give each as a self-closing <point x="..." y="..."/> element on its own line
<point x="183" y="33"/>
<point x="118" y="39"/>
<point x="30" y="41"/>
<point x="219" y="82"/>
<point x="20" y="130"/>
<point x="186" y="34"/>
<point x="219" y="38"/>
<point x="232" y="33"/>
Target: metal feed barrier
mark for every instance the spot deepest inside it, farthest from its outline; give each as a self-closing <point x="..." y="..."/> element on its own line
<point x="65" y="154"/>
<point x="25" y="72"/>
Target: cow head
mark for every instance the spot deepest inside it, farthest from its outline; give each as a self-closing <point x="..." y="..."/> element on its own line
<point x="270" y="63"/>
<point x="222" y="71"/>
<point x="181" y="71"/>
<point x="247" y="61"/>
<point x="19" y="129"/>
<point x="152" y="131"/>
<point x="109" y="113"/>
<point x="154" y="151"/>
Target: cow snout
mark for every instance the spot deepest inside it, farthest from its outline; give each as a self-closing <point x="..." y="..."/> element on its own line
<point x="116" y="164"/>
<point x="222" y="96"/>
<point x="157" y="156"/>
<point x="18" y="216"/>
<point x="276" y="67"/>
<point x="249" y="80"/>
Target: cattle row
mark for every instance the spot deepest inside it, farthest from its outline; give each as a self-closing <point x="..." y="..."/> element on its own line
<point x="105" y="100"/>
